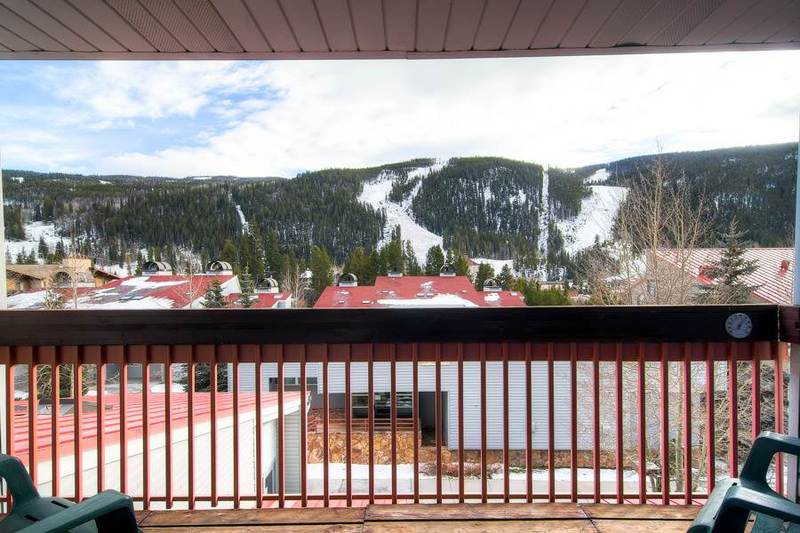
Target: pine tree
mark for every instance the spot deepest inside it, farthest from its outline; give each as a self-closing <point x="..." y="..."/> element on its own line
<point x="322" y="273"/>
<point x="229" y="253"/>
<point x="506" y="278"/>
<point x="44" y="251"/>
<point x="434" y="261"/>
<point x="247" y="287"/>
<point x="461" y="265"/>
<point x="214" y="299"/>
<point x="727" y="285"/>
<point x="413" y="267"/>
<point x="485" y="271"/>
<point x="53" y="300"/>
<point x="60" y="252"/>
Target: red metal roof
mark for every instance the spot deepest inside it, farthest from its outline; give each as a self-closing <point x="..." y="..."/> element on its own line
<point x="773" y="277"/>
<point x="260" y="300"/>
<point x="417" y="291"/>
<point x="134" y="418"/>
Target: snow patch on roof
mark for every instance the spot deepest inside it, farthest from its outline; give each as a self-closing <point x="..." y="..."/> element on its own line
<point x="439" y="300"/>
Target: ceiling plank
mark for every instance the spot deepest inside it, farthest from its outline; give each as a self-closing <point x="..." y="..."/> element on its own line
<point x="685" y="22"/>
<point x="368" y="22"/>
<point x="270" y="18"/>
<point x="178" y="24"/>
<point x="495" y="24"/>
<point x="79" y="24"/>
<point x="529" y="17"/>
<point x="208" y="22"/>
<point x="655" y="21"/>
<point x="112" y="23"/>
<point x="757" y="14"/>
<point x="238" y="19"/>
<point x="464" y="19"/>
<point x="144" y="23"/>
<point x="588" y="23"/>
<point x="28" y="31"/>
<point x="773" y="24"/>
<point x="49" y="25"/>
<point x="557" y="23"/>
<point x="715" y="22"/>
<point x="432" y="25"/>
<point x="401" y="21"/>
<point x="625" y="16"/>
<point x="791" y="33"/>
<point x="14" y="42"/>
<point x="303" y="19"/>
<point x="335" y="18"/>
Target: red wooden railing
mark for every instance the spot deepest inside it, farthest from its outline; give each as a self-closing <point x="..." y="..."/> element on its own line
<point x="192" y="446"/>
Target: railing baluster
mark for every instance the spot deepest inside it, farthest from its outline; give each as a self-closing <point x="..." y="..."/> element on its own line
<point x="484" y="409"/>
<point x="55" y="384"/>
<point x="325" y="432"/>
<point x="146" y="430"/>
<point x="237" y="496"/>
<point x="596" y="419"/>
<point x="123" y="422"/>
<point x="438" y="419"/>
<point x="733" y="422"/>
<point x="10" y="409"/>
<point x="642" y="428"/>
<point x="506" y="429"/>
<point x="214" y="371"/>
<point x="303" y="431"/>
<point x="348" y="406"/>
<point x="461" y="423"/>
<point x="528" y="424"/>
<point x="101" y="414"/>
<point x="551" y="419"/>
<point x="620" y="443"/>
<point x="281" y="449"/>
<point x="33" y="407"/>
<point x="393" y="414"/>
<point x="782" y="347"/>
<point x="573" y="442"/>
<point x="78" y="423"/>
<point x="192" y="382"/>
<point x="371" y="425"/>
<point x="756" y="391"/>
<point x="415" y="408"/>
<point x="259" y="383"/>
<point x="687" y="424"/>
<point x="664" y="382"/>
<point x="168" y="426"/>
<point x="710" y="431"/>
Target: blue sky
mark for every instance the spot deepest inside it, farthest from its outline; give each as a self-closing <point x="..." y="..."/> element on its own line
<point x="278" y="118"/>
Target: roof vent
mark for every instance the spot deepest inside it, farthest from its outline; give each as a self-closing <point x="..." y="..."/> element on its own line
<point x="348" y="280"/>
<point x="394" y="273"/>
<point x="447" y="271"/>
<point x="268" y="286"/>
<point x="220" y="268"/>
<point x="785" y="266"/>
<point x="156" y="268"/>
<point x="491" y="285"/>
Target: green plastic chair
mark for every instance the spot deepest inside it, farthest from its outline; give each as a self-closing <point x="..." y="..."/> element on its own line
<point x="730" y="504"/>
<point x="107" y="511"/>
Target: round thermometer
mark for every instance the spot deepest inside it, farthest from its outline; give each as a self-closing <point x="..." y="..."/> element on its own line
<point x="739" y="325"/>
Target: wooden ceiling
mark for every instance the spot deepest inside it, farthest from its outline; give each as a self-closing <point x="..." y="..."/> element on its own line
<point x="297" y="29"/>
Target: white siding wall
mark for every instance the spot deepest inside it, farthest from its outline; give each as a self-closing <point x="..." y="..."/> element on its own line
<point x="472" y="390"/>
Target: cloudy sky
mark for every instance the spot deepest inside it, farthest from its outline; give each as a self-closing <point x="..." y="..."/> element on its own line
<point x="278" y="118"/>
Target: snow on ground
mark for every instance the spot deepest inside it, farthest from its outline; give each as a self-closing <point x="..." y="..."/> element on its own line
<point x="242" y="219"/>
<point x="600" y="176"/>
<point x="33" y="232"/>
<point x="376" y="192"/>
<point x="496" y="264"/>
<point x="596" y="218"/>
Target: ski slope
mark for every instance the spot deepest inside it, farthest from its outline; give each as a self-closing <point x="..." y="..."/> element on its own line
<point x="376" y="194"/>
<point x="596" y="219"/>
<point x="33" y="231"/>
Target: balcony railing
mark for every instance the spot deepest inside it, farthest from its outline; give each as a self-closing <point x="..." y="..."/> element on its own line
<point x="644" y="405"/>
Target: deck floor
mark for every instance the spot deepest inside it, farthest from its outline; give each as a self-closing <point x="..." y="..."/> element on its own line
<point x="450" y="518"/>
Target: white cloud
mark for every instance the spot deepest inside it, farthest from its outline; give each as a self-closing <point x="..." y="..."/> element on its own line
<point x="275" y="118"/>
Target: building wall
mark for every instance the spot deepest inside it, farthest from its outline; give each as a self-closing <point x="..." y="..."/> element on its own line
<point x="472" y="396"/>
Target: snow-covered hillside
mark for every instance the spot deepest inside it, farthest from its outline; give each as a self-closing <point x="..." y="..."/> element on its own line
<point x="33" y="232"/>
<point x="376" y="194"/>
<point x="598" y="212"/>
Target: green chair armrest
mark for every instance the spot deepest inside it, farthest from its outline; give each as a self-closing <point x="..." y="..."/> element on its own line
<point x="110" y="510"/>
<point x="764" y="448"/>
<point x="19" y="481"/>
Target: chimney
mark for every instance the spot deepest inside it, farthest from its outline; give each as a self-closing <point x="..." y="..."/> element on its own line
<point x="447" y="271"/>
<point x="268" y="286"/>
<point x="156" y="268"/>
<point x="491" y="285"/>
<point x="784" y="267"/>
<point x="348" y="280"/>
<point x="219" y="268"/>
<point x="395" y="274"/>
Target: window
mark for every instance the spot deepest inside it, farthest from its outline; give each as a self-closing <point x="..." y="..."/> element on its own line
<point x="382" y="405"/>
<point x="292" y="384"/>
